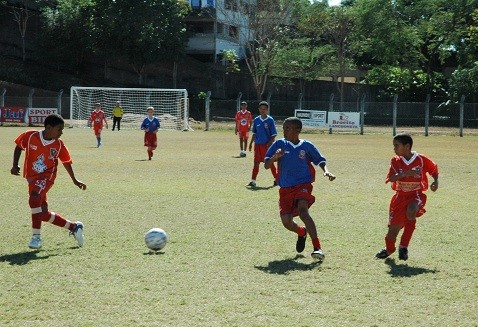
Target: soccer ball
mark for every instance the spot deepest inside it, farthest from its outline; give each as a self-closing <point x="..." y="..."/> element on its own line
<point x="156" y="239"/>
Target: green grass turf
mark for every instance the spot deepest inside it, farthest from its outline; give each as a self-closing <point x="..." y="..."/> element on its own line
<point x="229" y="261"/>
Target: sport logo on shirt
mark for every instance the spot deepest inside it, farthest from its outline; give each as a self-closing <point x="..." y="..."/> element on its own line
<point x="53" y="153"/>
<point x="301" y="154"/>
<point x="39" y="164"/>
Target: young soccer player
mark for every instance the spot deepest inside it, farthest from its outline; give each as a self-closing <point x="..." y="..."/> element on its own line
<point x="408" y="175"/>
<point x="150" y="126"/>
<point x="117" y="115"/>
<point x="296" y="175"/>
<point x="43" y="149"/>
<point x="243" y="126"/>
<point x="263" y="135"/>
<point x="97" y="118"/>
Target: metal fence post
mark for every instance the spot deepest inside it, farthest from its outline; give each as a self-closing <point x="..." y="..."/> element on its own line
<point x="394" y="114"/>
<point x="238" y="101"/>
<point x="427" y="114"/>
<point x="331" y="108"/>
<point x="2" y="101"/>
<point x="30" y="98"/>
<point x="207" y="107"/>
<point x="58" y="101"/>
<point x="362" y="113"/>
<point x="299" y="101"/>
<point x="462" y="111"/>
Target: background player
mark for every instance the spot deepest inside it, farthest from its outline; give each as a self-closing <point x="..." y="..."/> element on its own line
<point x="150" y="126"/>
<point x="117" y="115"/>
<point x="263" y="134"/>
<point x="43" y="149"/>
<point x="97" y="118"/>
<point x="408" y="175"/>
<point x="296" y="175"/>
<point x="243" y="126"/>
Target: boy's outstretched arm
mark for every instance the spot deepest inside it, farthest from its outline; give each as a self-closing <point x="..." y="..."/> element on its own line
<point x="327" y="173"/>
<point x="69" y="169"/>
<point x="16" y="157"/>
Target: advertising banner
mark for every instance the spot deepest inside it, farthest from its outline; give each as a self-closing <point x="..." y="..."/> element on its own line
<point x="311" y="118"/>
<point x="14" y="114"/>
<point x="38" y="115"/>
<point x="344" y="120"/>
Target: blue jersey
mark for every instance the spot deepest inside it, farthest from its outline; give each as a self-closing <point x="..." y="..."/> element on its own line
<point x="263" y="129"/>
<point x="295" y="165"/>
<point x="150" y="125"/>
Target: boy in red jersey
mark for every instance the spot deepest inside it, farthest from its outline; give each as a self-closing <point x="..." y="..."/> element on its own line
<point x="98" y="117"/>
<point x="407" y="173"/>
<point x="243" y="126"/>
<point x="43" y="149"/>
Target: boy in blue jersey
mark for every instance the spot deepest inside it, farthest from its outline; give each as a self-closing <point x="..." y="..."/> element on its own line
<point x="150" y="127"/>
<point x="296" y="175"/>
<point x="264" y="133"/>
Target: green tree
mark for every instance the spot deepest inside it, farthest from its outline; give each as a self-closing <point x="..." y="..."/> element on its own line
<point x="143" y="32"/>
<point x="66" y="36"/>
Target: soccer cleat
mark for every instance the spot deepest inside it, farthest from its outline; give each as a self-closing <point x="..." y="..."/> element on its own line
<point x="300" y="244"/>
<point x="242" y="154"/>
<point x="275" y="183"/>
<point x="78" y="233"/>
<point x="35" y="242"/>
<point x="252" y="184"/>
<point x="403" y="254"/>
<point x="318" y="255"/>
<point x="382" y="254"/>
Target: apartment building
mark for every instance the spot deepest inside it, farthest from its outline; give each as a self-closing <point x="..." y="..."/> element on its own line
<point x="218" y="25"/>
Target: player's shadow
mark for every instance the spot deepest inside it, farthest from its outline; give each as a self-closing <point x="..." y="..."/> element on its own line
<point x="404" y="270"/>
<point x="259" y="188"/>
<point x="284" y="267"/>
<point x="23" y="258"/>
<point x="142" y="160"/>
<point x="239" y="157"/>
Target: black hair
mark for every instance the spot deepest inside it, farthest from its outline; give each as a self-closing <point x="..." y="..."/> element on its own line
<point x="295" y="121"/>
<point x="54" y="120"/>
<point x="404" y="139"/>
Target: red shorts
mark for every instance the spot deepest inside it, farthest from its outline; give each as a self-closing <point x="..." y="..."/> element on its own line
<point x="243" y="134"/>
<point x="289" y="196"/>
<point x="150" y="140"/>
<point x="399" y="203"/>
<point x="260" y="152"/>
<point x="97" y="129"/>
<point x="40" y="186"/>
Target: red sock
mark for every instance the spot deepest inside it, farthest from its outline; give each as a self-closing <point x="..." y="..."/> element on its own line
<point x="255" y="172"/>
<point x="390" y="245"/>
<point x="301" y="231"/>
<point x="407" y="233"/>
<point x="316" y="243"/>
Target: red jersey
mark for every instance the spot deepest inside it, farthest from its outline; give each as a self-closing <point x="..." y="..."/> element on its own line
<point x="98" y="117"/>
<point x="41" y="156"/>
<point x="243" y="120"/>
<point x="419" y="182"/>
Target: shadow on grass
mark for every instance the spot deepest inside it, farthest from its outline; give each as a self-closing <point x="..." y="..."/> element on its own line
<point x="404" y="270"/>
<point x="259" y="188"/>
<point x="283" y="267"/>
<point x="154" y="253"/>
<point x="22" y="258"/>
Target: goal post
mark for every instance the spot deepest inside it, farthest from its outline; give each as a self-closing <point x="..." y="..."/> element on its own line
<point x="170" y="105"/>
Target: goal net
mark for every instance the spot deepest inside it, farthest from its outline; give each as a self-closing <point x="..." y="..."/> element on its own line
<point x="170" y="105"/>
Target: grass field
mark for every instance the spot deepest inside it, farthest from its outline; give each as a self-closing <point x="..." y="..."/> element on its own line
<point x="229" y="261"/>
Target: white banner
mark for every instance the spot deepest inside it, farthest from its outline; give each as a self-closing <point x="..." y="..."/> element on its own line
<point x="344" y="120"/>
<point x="38" y="115"/>
<point x="312" y="118"/>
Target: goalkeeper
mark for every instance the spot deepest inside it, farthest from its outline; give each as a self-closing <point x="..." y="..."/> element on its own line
<point x="117" y="115"/>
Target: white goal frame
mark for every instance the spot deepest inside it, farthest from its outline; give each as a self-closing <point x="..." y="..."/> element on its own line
<point x="170" y="105"/>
